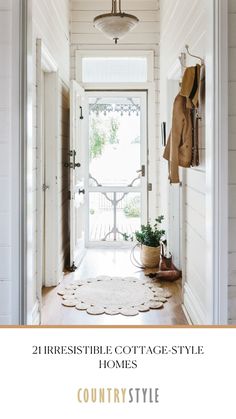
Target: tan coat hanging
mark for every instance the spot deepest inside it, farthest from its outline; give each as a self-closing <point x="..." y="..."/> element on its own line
<point x="178" y="150"/>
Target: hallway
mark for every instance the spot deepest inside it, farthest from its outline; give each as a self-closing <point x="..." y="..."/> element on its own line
<point x="84" y="154"/>
<point x="114" y="262"/>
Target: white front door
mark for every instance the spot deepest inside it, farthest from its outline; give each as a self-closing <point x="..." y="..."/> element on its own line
<point x="48" y="220"/>
<point x="76" y="167"/>
<point x="48" y="188"/>
<point x="116" y="168"/>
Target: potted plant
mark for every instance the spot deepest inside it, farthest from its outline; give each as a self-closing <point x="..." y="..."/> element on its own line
<point x="149" y="238"/>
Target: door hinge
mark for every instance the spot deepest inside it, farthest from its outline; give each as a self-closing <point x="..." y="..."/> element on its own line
<point x="149" y="187"/>
<point x="45" y="187"/>
<point x="71" y="195"/>
<point x="72" y="268"/>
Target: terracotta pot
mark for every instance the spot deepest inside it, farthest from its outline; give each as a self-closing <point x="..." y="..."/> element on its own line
<point x="150" y="256"/>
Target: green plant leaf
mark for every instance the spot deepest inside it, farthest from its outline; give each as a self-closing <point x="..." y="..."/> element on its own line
<point x="150" y="235"/>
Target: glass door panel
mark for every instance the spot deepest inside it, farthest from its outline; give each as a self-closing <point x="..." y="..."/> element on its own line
<point x="116" y="165"/>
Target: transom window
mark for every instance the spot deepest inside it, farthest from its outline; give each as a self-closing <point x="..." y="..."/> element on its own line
<point x="114" y="67"/>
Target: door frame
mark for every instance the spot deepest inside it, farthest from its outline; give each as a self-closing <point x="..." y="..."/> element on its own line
<point x="77" y="244"/>
<point x="46" y="64"/>
<point x="23" y="190"/>
<point x="149" y="88"/>
<point x="217" y="174"/>
<point x="175" y="191"/>
<point x="144" y="151"/>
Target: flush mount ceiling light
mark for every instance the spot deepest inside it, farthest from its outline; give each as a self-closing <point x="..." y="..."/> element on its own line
<point x="117" y="24"/>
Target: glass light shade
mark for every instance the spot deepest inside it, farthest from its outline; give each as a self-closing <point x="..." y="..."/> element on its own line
<point x="115" y="26"/>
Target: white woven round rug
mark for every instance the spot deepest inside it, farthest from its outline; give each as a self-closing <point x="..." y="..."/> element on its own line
<point x="114" y="295"/>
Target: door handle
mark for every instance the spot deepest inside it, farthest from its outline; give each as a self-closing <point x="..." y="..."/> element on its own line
<point x="73" y="164"/>
<point x="142" y="170"/>
<point x="82" y="191"/>
<point x="81" y="113"/>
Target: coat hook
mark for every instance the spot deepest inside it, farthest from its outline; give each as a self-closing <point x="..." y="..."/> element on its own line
<point x="195" y="56"/>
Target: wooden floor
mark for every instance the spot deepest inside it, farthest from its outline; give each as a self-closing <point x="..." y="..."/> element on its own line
<point x="109" y="262"/>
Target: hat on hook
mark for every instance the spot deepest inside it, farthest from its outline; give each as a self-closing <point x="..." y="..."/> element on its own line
<point x="190" y="85"/>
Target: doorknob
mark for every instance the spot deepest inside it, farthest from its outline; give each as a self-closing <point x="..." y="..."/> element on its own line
<point x="82" y="191"/>
<point x="142" y="170"/>
<point x="68" y="165"/>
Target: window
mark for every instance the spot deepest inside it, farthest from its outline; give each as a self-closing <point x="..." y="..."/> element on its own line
<point x="114" y="66"/>
<point x="114" y="69"/>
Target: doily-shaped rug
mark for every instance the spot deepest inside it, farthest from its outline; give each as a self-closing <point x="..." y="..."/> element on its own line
<point x="113" y="295"/>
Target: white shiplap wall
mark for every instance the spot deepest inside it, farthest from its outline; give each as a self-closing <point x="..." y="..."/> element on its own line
<point x="9" y="162"/>
<point x="178" y="29"/>
<point x="5" y="160"/>
<point x="144" y="37"/>
<point x="51" y="20"/>
<point x="232" y="160"/>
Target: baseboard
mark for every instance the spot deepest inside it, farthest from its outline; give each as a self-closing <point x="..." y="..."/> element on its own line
<point x="79" y="257"/>
<point x="193" y="307"/>
<point x="187" y="315"/>
<point x="36" y="314"/>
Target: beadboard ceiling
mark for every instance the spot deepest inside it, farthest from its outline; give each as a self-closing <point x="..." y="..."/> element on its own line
<point x="84" y="11"/>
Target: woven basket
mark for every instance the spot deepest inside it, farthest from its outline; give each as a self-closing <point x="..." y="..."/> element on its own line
<point x="150" y="256"/>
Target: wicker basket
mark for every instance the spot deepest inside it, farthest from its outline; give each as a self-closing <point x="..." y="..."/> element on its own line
<point x="150" y="256"/>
